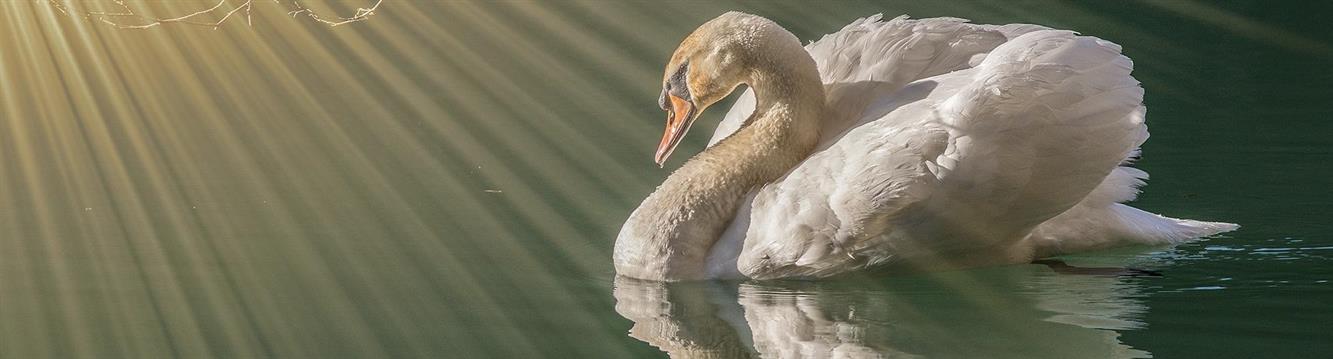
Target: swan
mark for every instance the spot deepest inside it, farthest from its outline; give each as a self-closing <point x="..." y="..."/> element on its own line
<point x="920" y="144"/>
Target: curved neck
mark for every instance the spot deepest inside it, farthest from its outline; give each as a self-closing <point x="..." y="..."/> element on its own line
<point x="670" y="235"/>
<point x="781" y="132"/>
<point x="784" y="127"/>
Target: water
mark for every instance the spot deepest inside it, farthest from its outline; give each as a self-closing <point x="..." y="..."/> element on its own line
<point x="447" y="179"/>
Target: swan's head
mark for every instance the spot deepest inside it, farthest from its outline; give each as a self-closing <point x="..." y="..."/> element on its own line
<point x="710" y="63"/>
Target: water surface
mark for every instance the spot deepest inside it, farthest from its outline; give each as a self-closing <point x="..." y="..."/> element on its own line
<point x="446" y="180"/>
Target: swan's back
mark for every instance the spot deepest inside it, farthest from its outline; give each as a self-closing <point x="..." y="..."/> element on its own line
<point x="948" y="143"/>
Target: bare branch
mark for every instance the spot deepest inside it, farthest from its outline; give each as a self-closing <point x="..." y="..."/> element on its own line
<point x="361" y="13"/>
<point x="126" y="17"/>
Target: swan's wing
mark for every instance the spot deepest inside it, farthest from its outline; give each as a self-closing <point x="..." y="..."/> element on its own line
<point x="888" y="55"/>
<point x="1046" y="118"/>
<point x="986" y="155"/>
<point x="811" y="222"/>
<point x="900" y="50"/>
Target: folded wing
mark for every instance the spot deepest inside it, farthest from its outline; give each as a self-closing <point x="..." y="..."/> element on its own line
<point x="938" y="157"/>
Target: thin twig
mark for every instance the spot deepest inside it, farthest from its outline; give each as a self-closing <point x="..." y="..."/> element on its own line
<point x="361" y="13"/>
<point x="125" y="11"/>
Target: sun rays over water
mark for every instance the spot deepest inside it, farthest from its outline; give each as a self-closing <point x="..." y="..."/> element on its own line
<point x="445" y="178"/>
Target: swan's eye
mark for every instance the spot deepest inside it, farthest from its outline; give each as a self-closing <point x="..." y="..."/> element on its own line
<point x="675" y="85"/>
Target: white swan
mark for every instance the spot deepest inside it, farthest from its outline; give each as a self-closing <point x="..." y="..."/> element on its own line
<point x="926" y="144"/>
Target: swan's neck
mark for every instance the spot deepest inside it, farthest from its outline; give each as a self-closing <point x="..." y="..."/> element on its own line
<point x="781" y="132"/>
<point x="669" y="236"/>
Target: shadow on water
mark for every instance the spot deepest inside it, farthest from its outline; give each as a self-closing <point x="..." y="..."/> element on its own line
<point x="1019" y="311"/>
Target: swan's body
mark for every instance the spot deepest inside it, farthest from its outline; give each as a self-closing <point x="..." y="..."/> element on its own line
<point x="928" y="143"/>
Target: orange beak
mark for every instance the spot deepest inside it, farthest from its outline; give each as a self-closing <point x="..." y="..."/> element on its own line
<point x="679" y="119"/>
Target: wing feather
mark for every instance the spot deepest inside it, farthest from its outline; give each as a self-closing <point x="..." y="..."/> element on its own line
<point x="949" y="156"/>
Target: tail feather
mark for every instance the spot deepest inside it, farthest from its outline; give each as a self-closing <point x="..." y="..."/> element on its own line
<point x="1149" y="228"/>
<point x="1085" y="228"/>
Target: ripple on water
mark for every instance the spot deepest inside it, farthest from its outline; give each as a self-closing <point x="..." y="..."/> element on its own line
<point x="1289" y="250"/>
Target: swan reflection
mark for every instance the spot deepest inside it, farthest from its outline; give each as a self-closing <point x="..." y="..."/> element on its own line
<point x="1021" y="311"/>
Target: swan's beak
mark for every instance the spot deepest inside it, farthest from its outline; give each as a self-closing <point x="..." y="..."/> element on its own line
<point x="679" y="118"/>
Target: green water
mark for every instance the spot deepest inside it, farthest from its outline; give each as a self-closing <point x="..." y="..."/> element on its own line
<point x="447" y="179"/>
